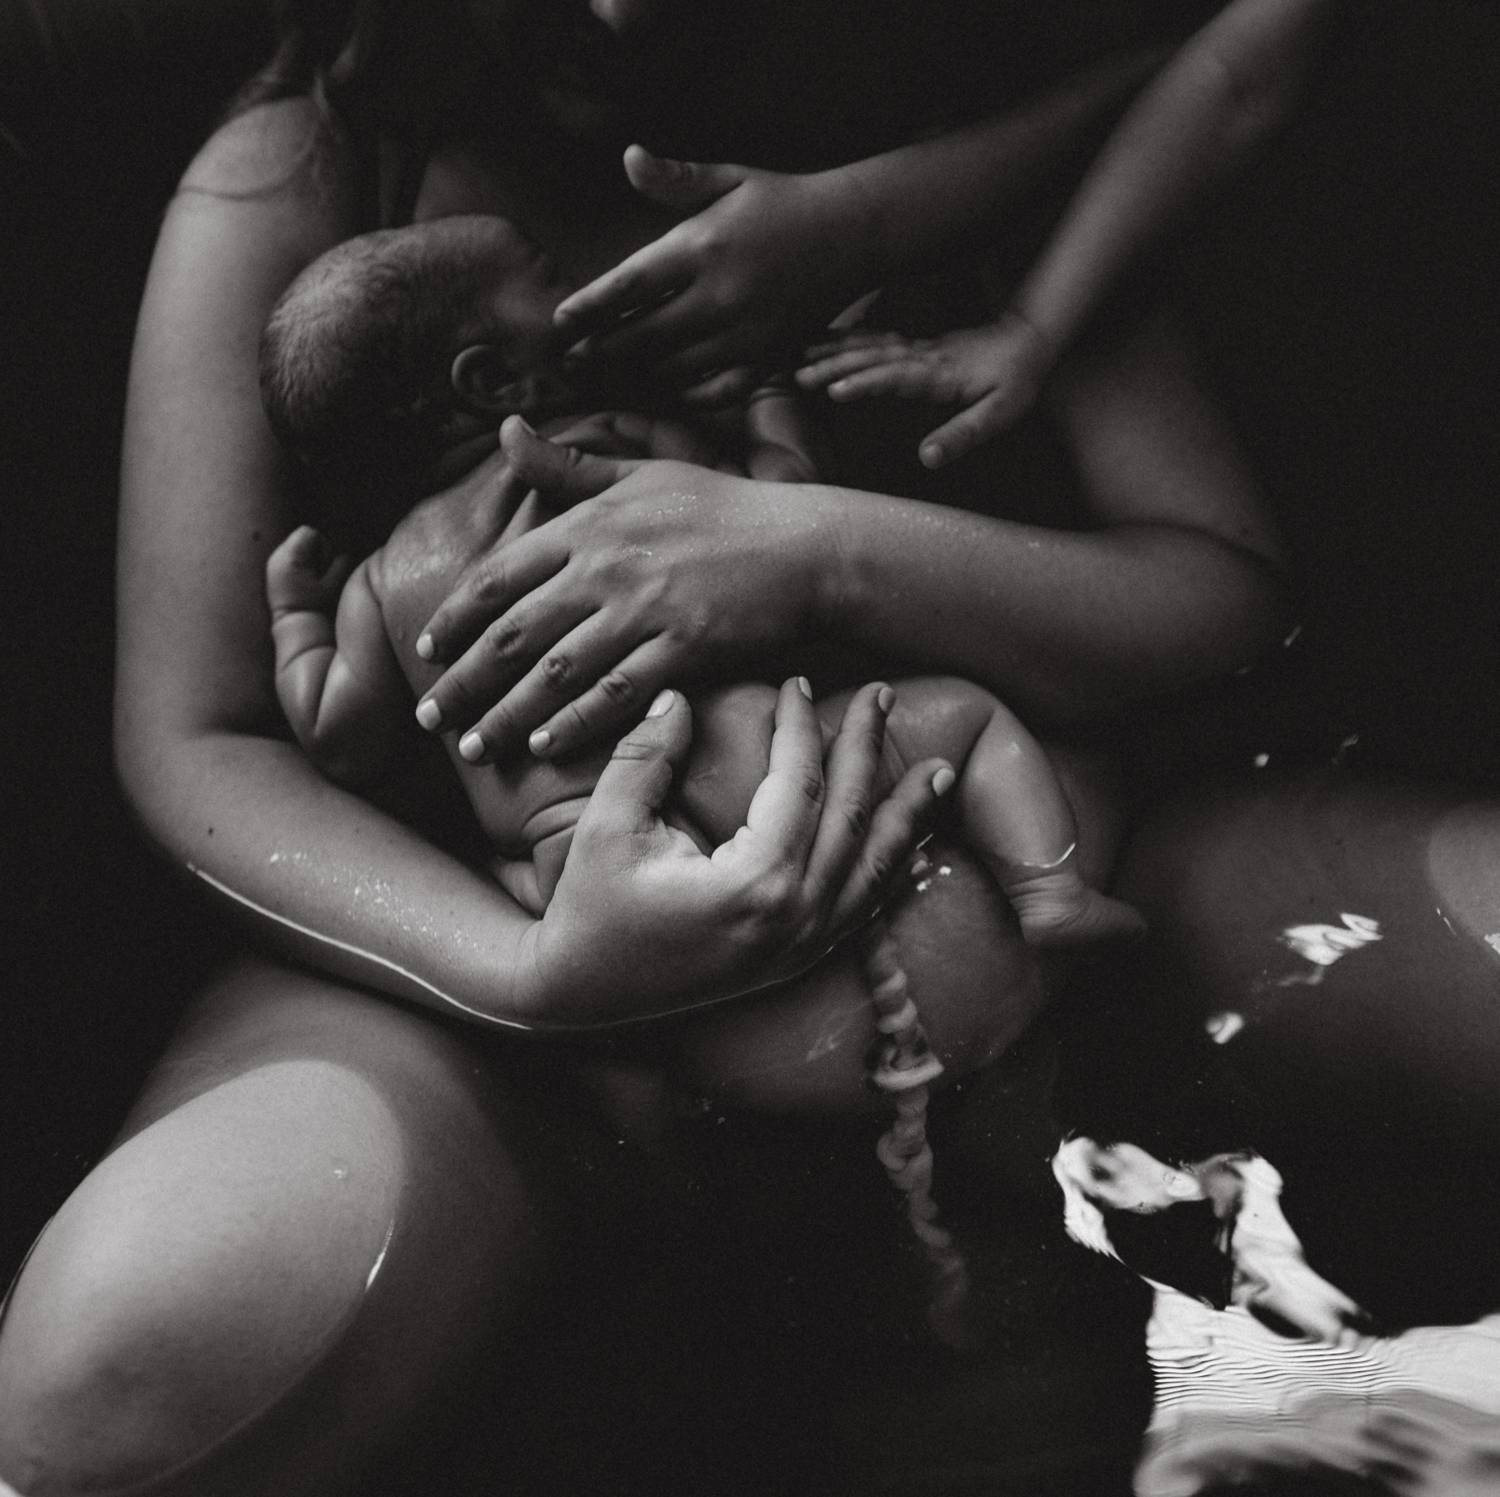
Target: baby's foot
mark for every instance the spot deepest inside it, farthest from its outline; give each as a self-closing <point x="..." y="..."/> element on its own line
<point x="1056" y="908"/>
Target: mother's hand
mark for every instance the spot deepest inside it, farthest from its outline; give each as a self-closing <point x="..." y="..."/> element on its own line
<point x="661" y="571"/>
<point x="766" y="259"/>
<point x="644" y="924"/>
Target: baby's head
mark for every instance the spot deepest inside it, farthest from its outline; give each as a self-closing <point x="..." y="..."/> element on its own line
<point x="395" y="346"/>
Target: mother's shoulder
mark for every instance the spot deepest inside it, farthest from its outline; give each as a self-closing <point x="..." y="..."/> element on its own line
<point x="291" y="145"/>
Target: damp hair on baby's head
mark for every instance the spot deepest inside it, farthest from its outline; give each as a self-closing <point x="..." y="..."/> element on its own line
<point x="356" y="356"/>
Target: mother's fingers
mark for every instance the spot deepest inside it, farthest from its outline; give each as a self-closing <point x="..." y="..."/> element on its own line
<point x="852" y="768"/>
<point x="782" y="821"/>
<point x="697" y="364"/>
<point x="654" y="331"/>
<point x="579" y="691"/>
<point x="609" y="690"/>
<point x="897" y="827"/>
<point x="488" y="587"/>
<point x="632" y="788"/>
<point x="560" y="472"/>
<point x="505" y="650"/>
<point x="651" y="273"/>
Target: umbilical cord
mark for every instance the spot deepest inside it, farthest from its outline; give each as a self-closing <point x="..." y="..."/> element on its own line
<point x="904" y="1068"/>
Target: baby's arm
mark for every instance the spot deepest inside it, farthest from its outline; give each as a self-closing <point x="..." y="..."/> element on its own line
<point x="1204" y="116"/>
<point x="1013" y="811"/>
<point x="336" y="675"/>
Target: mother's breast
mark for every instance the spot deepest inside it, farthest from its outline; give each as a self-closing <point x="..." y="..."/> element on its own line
<point x="802" y="1046"/>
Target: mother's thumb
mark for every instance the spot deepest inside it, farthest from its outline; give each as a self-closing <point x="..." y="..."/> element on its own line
<point x="634" y="784"/>
<point x="559" y="472"/>
<point x="685" y="185"/>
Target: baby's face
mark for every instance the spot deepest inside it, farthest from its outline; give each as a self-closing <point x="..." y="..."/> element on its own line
<point x="518" y="292"/>
<point x="510" y="354"/>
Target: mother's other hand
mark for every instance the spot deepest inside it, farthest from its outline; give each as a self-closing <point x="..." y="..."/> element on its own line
<point x="658" y="571"/>
<point x="644" y="924"/>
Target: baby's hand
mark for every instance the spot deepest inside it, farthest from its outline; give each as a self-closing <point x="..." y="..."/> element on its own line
<point x="303" y="581"/>
<point x="994" y="372"/>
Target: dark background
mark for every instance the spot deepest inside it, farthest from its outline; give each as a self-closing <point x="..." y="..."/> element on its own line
<point x="1344" y="289"/>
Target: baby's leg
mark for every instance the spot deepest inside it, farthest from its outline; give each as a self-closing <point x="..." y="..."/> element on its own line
<point x="1013" y="809"/>
<point x="316" y="1211"/>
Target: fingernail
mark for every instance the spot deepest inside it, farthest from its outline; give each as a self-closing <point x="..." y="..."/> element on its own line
<point x="805" y="687"/>
<point x="660" y="706"/>
<point x="931" y="455"/>
<point x="885" y="698"/>
<point x="425" y="647"/>
<point x="429" y="714"/>
<point x="539" y="741"/>
<point x="471" y="747"/>
<point x="942" y="781"/>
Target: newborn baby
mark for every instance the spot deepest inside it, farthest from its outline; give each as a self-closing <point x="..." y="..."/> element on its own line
<point x="394" y="358"/>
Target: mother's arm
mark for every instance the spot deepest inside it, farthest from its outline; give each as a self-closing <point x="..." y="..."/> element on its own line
<point x="668" y="569"/>
<point x="207" y="762"/>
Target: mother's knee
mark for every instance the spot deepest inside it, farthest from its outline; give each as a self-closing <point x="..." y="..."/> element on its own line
<point x="201" y="1273"/>
<point x="269" y="1239"/>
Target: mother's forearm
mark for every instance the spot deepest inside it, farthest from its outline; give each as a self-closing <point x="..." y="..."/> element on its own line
<point x="925" y="197"/>
<point x="1065" y="624"/>
<point x="327" y="877"/>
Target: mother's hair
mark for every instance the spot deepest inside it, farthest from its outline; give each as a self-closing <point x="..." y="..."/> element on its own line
<point x="404" y="64"/>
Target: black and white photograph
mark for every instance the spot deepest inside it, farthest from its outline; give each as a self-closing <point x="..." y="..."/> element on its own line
<point x="753" y="748"/>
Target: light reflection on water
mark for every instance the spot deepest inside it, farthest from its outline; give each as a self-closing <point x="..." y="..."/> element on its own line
<point x="1287" y="1379"/>
<point x="1414" y="1413"/>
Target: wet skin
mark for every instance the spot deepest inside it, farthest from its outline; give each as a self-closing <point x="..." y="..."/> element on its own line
<point x="801" y="1046"/>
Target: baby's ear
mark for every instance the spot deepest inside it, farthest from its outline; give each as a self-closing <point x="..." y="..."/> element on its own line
<point x="482" y="380"/>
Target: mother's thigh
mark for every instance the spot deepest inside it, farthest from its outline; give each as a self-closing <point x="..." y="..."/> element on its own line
<point x="315" y="1206"/>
